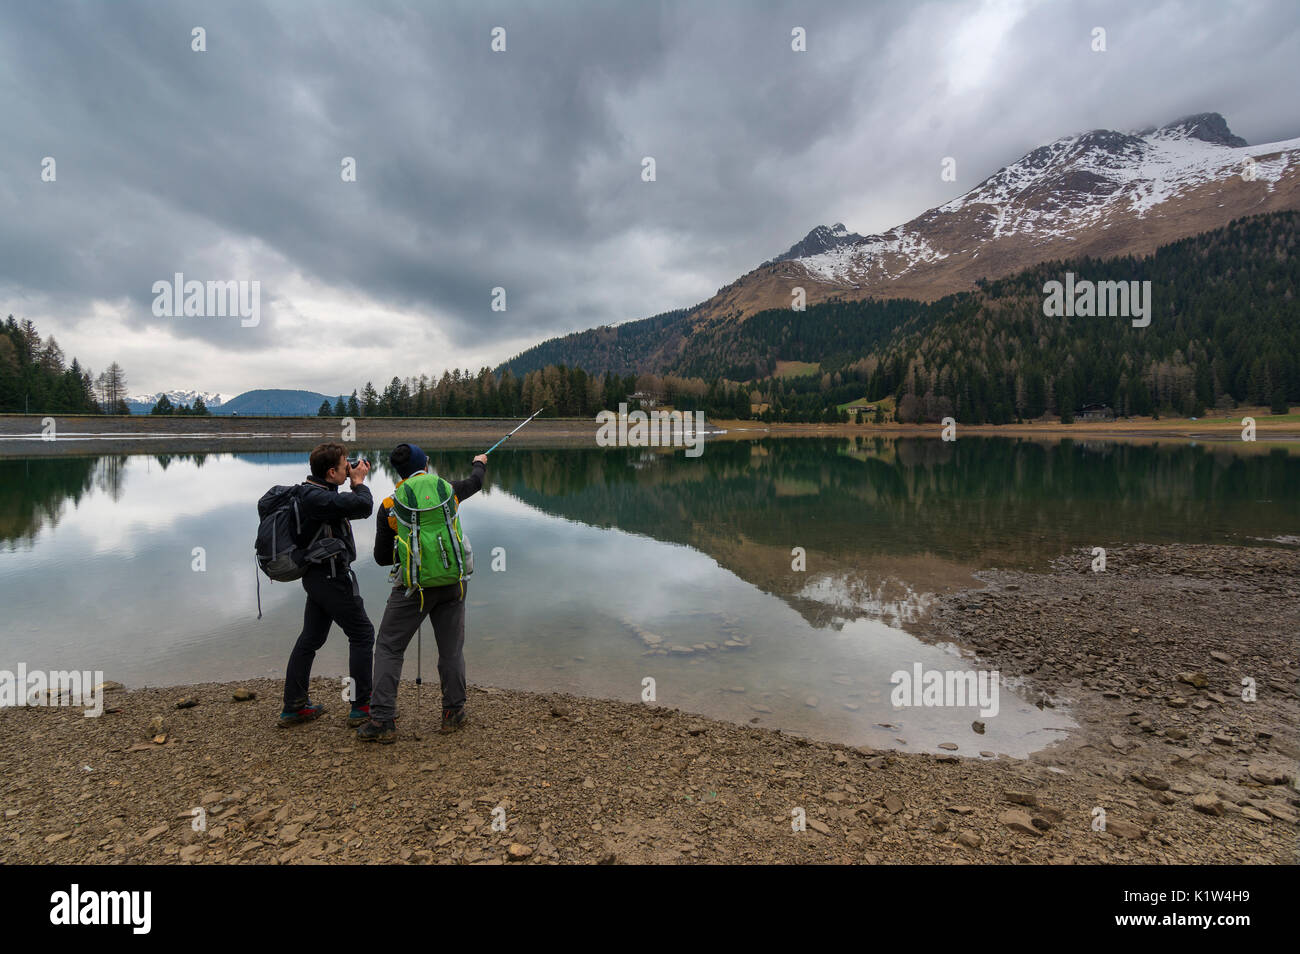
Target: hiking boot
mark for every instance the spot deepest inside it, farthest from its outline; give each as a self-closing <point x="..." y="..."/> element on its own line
<point x="306" y="713"/>
<point x="359" y="715"/>
<point x="452" y="719"/>
<point x="373" y="731"/>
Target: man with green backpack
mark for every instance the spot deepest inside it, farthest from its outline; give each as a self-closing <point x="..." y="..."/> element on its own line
<point x="420" y="536"/>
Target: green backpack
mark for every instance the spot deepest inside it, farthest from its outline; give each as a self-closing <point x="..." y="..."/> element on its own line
<point x="429" y="548"/>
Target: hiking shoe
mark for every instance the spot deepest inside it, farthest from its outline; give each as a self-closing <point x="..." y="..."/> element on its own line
<point x="359" y="715"/>
<point x="306" y="713"/>
<point x="453" y="719"/>
<point x="373" y="731"/>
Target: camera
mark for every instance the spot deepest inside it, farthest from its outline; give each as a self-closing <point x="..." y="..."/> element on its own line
<point x="353" y="461"/>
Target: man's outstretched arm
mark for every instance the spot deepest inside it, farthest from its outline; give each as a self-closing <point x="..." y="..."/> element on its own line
<point x="473" y="483"/>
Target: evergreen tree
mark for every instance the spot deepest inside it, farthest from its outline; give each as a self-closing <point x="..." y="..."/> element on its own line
<point x="369" y="400"/>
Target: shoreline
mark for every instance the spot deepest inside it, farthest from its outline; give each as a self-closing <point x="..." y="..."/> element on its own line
<point x="1183" y="770"/>
<point x="143" y="434"/>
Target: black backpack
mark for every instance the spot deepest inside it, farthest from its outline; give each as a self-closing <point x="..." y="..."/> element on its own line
<point x="279" y="549"/>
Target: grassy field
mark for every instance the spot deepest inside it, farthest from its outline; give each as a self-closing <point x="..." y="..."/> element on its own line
<point x="886" y="404"/>
<point x="795" y="369"/>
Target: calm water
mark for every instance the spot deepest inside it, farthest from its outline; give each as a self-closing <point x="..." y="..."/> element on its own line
<point x="609" y="552"/>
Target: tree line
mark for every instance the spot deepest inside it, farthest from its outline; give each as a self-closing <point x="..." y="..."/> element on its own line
<point x="563" y="391"/>
<point x="165" y="407"/>
<point x="35" y="376"/>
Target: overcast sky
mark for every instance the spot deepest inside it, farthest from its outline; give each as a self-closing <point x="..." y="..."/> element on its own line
<point x="523" y="168"/>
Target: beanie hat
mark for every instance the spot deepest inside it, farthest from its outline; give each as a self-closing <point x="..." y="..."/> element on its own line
<point x="417" y="462"/>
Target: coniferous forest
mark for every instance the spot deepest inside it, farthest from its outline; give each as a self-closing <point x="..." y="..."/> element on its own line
<point x="1225" y="330"/>
<point x="35" y="376"/>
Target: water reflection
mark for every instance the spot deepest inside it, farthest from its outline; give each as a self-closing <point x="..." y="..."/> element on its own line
<point x="625" y="564"/>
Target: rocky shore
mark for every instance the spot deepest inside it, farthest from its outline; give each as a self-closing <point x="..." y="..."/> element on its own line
<point x="1149" y="654"/>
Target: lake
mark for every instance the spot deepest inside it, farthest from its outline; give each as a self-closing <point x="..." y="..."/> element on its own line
<point x="622" y="564"/>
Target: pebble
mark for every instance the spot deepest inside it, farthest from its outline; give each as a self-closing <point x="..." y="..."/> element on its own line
<point x="1266" y="774"/>
<point x="1208" y="804"/>
<point x="1019" y="821"/>
<point x="1124" y="829"/>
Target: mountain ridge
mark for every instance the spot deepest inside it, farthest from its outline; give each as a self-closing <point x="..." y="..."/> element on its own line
<point x="1097" y="194"/>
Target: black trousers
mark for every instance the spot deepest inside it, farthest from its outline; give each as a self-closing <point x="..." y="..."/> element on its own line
<point x="334" y="599"/>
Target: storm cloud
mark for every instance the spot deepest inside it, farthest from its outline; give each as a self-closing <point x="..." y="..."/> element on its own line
<point x="523" y="169"/>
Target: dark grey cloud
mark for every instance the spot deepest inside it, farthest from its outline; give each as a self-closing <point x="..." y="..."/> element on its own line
<point x="522" y="169"/>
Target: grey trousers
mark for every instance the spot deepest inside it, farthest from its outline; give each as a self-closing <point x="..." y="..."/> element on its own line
<point x="445" y="608"/>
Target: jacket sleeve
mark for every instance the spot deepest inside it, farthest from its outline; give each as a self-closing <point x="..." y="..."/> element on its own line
<point x="356" y="505"/>
<point x="384" y="535"/>
<point x="471" y="484"/>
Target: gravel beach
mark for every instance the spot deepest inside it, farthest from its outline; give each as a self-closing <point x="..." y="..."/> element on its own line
<point x="1150" y="656"/>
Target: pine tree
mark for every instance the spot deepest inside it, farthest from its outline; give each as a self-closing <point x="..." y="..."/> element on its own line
<point x="369" y="400"/>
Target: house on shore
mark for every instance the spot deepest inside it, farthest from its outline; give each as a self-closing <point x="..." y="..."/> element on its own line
<point x="1095" y="412"/>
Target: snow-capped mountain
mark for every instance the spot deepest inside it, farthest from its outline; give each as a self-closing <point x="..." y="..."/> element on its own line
<point x="1101" y="193"/>
<point x="143" y="403"/>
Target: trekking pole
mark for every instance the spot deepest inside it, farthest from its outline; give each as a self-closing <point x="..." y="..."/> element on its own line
<point x="511" y="434"/>
<point x="419" y="652"/>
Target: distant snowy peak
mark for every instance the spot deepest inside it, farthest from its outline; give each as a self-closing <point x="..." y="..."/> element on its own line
<point x="210" y="398"/>
<point x="1064" y="193"/>
<point x="1103" y="171"/>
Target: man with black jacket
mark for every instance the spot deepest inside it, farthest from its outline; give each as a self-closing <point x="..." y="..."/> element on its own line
<point x="444" y="605"/>
<point x="333" y="595"/>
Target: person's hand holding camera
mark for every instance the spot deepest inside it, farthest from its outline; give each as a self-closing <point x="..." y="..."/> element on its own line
<point x="358" y="471"/>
